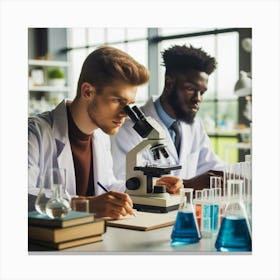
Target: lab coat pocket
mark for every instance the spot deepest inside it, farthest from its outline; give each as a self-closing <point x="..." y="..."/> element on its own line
<point x="191" y="164"/>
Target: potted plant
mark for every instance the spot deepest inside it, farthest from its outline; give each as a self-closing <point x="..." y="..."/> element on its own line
<point x="56" y="77"/>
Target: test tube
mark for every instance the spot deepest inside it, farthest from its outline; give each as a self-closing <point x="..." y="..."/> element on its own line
<point x="198" y="207"/>
<point x="219" y="199"/>
<point x="247" y="188"/>
<point x="215" y="182"/>
<point x="206" y="214"/>
<point x="227" y="175"/>
<point x="232" y="171"/>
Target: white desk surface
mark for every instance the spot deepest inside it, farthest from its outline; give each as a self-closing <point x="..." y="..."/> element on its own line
<point x="127" y="241"/>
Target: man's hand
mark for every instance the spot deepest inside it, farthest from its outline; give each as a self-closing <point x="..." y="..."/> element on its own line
<point x="202" y="181"/>
<point x="112" y="204"/>
<point x="173" y="184"/>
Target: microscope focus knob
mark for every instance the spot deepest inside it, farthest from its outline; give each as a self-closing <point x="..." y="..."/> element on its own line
<point x="133" y="183"/>
<point x="159" y="189"/>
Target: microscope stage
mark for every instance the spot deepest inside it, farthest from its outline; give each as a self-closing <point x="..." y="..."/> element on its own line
<point x="156" y="203"/>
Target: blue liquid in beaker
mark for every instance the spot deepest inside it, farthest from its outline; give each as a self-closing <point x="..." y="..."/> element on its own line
<point x="185" y="230"/>
<point x="233" y="236"/>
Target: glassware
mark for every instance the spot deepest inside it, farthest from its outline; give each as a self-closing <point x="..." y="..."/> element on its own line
<point x="206" y="214"/>
<point x="81" y="205"/>
<point x="247" y="190"/>
<point x="58" y="206"/>
<point x="198" y="206"/>
<point x="215" y="182"/>
<point x="185" y="230"/>
<point x="53" y="198"/>
<point x="215" y="200"/>
<point x="234" y="234"/>
<point x="45" y="192"/>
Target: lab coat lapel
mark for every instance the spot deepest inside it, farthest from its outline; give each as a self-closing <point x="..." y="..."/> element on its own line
<point x="99" y="160"/>
<point x="63" y="148"/>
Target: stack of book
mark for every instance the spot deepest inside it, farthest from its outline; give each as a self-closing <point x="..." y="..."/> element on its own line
<point x="75" y="229"/>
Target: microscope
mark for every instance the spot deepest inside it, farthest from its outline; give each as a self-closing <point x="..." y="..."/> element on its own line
<point x="140" y="175"/>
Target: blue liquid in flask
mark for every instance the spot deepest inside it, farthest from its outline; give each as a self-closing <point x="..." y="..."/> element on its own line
<point x="185" y="230"/>
<point x="234" y="235"/>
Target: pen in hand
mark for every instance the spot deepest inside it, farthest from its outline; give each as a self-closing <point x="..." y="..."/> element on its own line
<point x="104" y="189"/>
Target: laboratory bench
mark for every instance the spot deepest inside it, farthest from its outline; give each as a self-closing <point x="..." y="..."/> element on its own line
<point x="127" y="241"/>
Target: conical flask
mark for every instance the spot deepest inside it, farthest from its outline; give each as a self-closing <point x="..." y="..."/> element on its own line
<point x="58" y="206"/>
<point x="53" y="198"/>
<point x="45" y="192"/>
<point x="234" y="234"/>
<point x="185" y="230"/>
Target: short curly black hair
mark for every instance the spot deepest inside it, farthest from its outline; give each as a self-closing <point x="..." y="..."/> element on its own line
<point x="182" y="58"/>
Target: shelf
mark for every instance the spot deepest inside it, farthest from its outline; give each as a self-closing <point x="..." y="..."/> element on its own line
<point x="48" y="88"/>
<point x="44" y="96"/>
<point x="36" y="62"/>
<point x="240" y="145"/>
<point x="232" y="132"/>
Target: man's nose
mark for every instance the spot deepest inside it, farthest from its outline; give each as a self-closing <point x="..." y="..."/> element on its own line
<point x="122" y="112"/>
<point x="197" y="96"/>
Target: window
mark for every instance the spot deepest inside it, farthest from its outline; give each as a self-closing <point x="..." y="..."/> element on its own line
<point x="219" y="110"/>
<point x="83" y="41"/>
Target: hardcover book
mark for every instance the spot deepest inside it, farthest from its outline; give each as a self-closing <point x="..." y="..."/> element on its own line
<point x="57" y="235"/>
<point x="73" y="218"/>
<point x="67" y="244"/>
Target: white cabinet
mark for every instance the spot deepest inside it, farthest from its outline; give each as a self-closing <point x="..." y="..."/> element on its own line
<point x="44" y="93"/>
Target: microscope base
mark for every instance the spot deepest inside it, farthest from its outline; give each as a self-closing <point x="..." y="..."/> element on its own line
<point x="156" y="204"/>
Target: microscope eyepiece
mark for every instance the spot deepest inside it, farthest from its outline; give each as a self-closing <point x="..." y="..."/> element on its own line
<point x="141" y="125"/>
<point x="131" y="113"/>
<point x="139" y="113"/>
<point x="164" y="152"/>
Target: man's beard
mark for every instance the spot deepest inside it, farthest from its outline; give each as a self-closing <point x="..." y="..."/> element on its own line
<point x="176" y="104"/>
<point x="94" y="119"/>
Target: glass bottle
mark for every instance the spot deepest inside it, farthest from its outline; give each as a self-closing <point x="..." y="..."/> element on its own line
<point x="185" y="230"/>
<point x="234" y="234"/>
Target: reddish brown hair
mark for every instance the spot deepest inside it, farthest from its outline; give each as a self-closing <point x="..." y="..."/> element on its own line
<point x="107" y="64"/>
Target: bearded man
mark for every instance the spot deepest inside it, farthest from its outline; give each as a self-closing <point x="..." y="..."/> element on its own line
<point x="186" y="81"/>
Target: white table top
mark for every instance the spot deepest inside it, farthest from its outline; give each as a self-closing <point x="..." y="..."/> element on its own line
<point x="124" y="241"/>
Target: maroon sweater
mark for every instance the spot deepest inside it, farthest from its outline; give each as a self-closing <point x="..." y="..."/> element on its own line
<point x="81" y="146"/>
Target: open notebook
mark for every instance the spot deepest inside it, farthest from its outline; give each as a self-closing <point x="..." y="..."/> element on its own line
<point x="145" y="221"/>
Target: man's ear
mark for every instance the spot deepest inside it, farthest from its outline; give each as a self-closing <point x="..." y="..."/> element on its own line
<point x="87" y="91"/>
<point x="169" y="82"/>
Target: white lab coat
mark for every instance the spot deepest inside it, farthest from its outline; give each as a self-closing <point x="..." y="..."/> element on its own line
<point x="49" y="145"/>
<point x="196" y="155"/>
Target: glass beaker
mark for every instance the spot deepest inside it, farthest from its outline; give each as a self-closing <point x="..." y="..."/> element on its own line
<point x="185" y="230"/>
<point x="58" y="206"/>
<point x="234" y="234"/>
